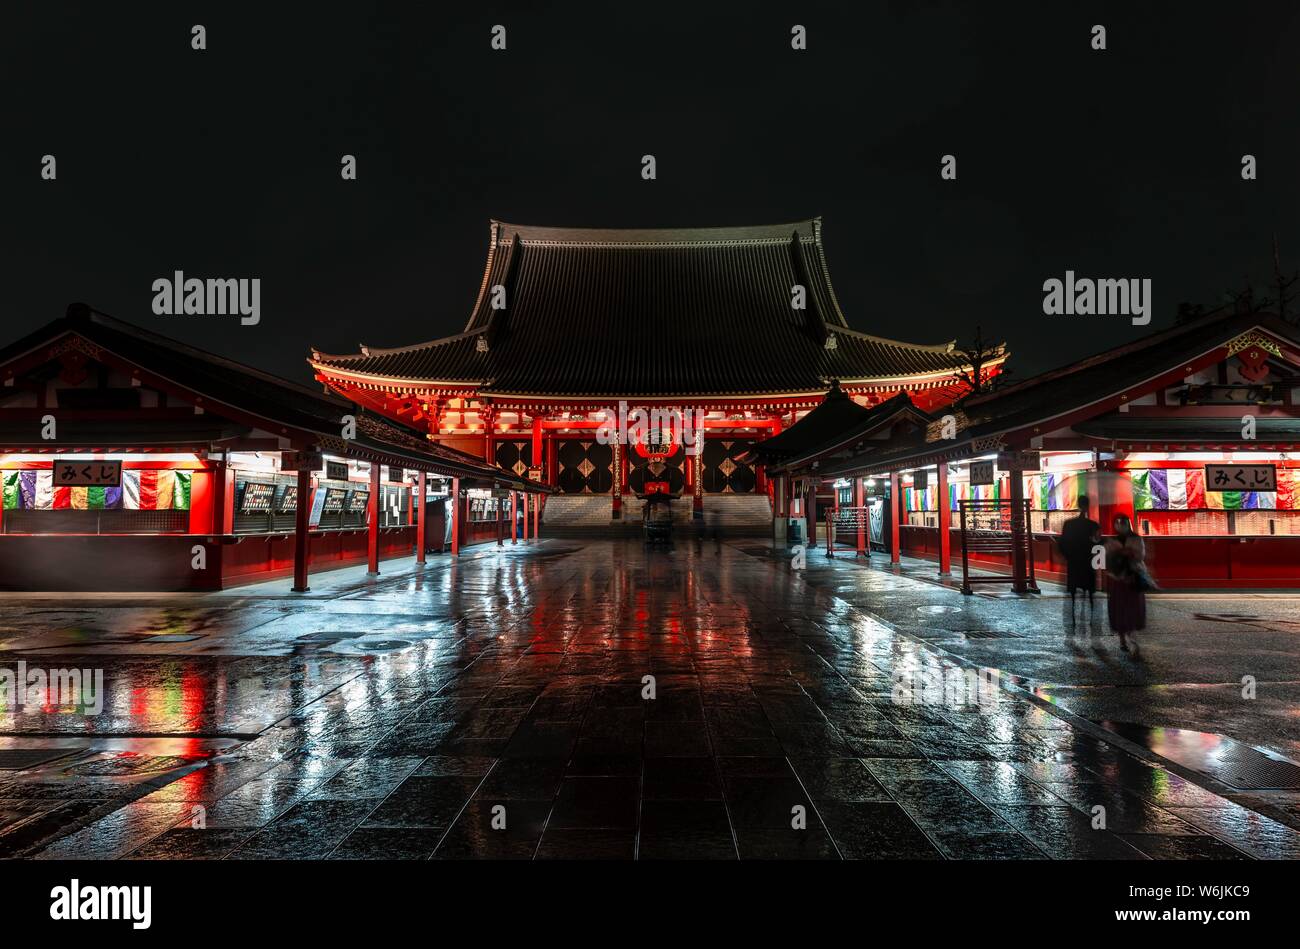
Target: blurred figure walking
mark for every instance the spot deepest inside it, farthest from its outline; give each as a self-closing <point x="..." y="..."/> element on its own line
<point x="1127" y="582"/>
<point x="1079" y="537"/>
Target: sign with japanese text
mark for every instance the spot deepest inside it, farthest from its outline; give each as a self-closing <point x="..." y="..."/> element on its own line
<point x="300" y="460"/>
<point x="1020" y="461"/>
<point x="981" y="472"/>
<point x="317" y="507"/>
<point x="1240" y="478"/>
<point x="87" y="474"/>
<point x="920" y="479"/>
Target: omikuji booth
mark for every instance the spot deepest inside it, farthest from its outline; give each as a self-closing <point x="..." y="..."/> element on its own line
<point x="1192" y="432"/>
<point x="132" y="462"/>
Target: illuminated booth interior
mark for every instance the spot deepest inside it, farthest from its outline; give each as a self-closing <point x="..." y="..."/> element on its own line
<point x="132" y="462"/>
<point x="1193" y="432"/>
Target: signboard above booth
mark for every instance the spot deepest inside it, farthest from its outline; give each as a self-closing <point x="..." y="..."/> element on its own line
<point x="87" y="474"/>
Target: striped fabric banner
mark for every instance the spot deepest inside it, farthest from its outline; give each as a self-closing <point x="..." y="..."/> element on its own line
<point x="181" y="492"/>
<point x="1287" y="493"/>
<point x="45" y="492"/>
<point x="163" y="489"/>
<point x="1183" y="489"/>
<point x="95" y="499"/>
<point x="965" y="491"/>
<point x="151" y="489"/>
<point x="1053" y="492"/>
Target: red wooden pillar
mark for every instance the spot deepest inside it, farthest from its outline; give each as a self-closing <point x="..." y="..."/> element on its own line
<point x="810" y="511"/>
<point x="537" y="458"/>
<point x="945" y="521"/>
<point x="514" y="517"/>
<point x="1019" y="569"/>
<point x="697" y="482"/>
<point x="895" y="517"/>
<point x="372" y="519"/>
<point x="422" y="517"/>
<point x="301" y="527"/>
<point x="224" y="498"/>
<point x="616" y="490"/>
<point x="537" y="516"/>
<point x="456" y="518"/>
<point x="860" y="515"/>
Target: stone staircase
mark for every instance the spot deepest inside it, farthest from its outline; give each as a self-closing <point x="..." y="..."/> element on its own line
<point x="587" y="515"/>
<point x="738" y="515"/>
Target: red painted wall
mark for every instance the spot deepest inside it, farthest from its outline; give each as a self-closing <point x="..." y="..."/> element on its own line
<point x="160" y="563"/>
<point x="264" y="557"/>
<point x="1175" y="562"/>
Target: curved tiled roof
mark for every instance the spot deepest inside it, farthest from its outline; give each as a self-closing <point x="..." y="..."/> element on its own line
<point x="280" y="404"/>
<point x="703" y="311"/>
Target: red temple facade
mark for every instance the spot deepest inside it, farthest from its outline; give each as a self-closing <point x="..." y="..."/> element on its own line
<point x="739" y="323"/>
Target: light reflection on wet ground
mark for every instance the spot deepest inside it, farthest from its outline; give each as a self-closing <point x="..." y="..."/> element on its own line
<point x="396" y="717"/>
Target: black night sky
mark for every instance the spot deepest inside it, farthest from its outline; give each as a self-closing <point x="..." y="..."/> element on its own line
<point x="1122" y="163"/>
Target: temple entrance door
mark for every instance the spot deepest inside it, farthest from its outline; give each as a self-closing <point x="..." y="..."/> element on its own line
<point x="585" y="466"/>
<point x="723" y="472"/>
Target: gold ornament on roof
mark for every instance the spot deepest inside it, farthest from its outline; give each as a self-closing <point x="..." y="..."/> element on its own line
<point x="1253" y="338"/>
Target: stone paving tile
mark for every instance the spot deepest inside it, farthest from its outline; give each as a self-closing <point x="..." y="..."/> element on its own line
<point x="430" y="802"/>
<point x="876" y="831"/>
<point x="773" y="693"/>
<point x="1183" y="847"/>
<point x="1064" y="833"/>
<point x="587" y="844"/>
<point x="365" y="779"/>
<point x="839" y="779"/>
<point x="473" y="836"/>
<point x="686" y="830"/>
<point x="990" y="846"/>
<point x="307" y="831"/>
<point x="117" y="834"/>
<point x="681" y="779"/>
<point x="673" y="739"/>
<point x="586" y="803"/>
<point x="387" y="843"/>
<point x="186" y="843"/>
<point x="1124" y="812"/>
<point x="522" y="779"/>
<point x="49" y="820"/>
<point x="1253" y="833"/>
<point x="997" y="782"/>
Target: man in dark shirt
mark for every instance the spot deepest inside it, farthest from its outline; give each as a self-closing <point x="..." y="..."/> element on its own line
<point x="1079" y="535"/>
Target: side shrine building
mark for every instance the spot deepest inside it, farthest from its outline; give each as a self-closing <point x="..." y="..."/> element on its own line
<point x="739" y="323"/>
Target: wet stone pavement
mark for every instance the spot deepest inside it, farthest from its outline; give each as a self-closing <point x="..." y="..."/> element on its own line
<point x="499" y="708"/>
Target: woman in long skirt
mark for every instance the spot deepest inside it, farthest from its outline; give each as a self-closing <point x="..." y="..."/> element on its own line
<point x="1126" y="582"/>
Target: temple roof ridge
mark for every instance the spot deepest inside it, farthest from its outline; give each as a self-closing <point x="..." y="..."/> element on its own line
<point x="806" y="229"/>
